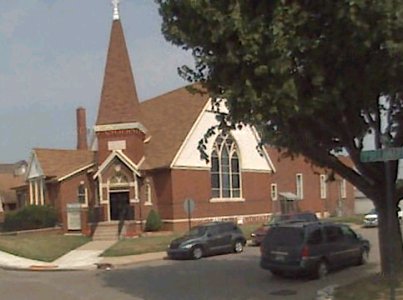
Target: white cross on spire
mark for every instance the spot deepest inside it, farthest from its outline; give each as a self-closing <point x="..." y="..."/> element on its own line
<point x="115" y="4"/>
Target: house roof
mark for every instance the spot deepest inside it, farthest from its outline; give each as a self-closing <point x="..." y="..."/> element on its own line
<point x="119" y="102"/>
<point x="169" y="118"/>
<point x="7" y="168"/>
<point x="58" y="163"/>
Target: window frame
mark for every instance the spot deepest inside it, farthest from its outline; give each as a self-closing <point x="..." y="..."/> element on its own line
<point x="299" y="185"/>
<point x="274" y="192"/>
<point x="82" y="194"/>
<point x="225" y="170"/>
<point x="323" y="186"/>
<point x="343" y="189"/>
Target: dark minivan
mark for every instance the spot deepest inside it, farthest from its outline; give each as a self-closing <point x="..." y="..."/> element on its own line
<point x="311" y="248"/>
<point x="207" y="239"/>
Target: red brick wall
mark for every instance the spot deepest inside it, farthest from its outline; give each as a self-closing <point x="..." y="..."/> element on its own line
<point x="134" y="144"/>
<point x="285" y="178"/>
<point x="67" y="193"/>
<point x="196" y="184"/>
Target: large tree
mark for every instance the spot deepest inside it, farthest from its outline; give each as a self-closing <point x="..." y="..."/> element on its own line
<point x="319" y="77"/>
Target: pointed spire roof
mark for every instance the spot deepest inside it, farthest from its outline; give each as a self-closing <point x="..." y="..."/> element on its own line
<point x="119" y="101"/>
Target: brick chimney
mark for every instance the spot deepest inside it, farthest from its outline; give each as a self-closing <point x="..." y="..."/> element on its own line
<point x="81" y="129"/>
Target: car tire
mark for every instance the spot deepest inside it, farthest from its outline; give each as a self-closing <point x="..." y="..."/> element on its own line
<point x="238" y="246"/>
<point x="197" y="252"/>
<point x="364" y="256"/>
<point x="322" y="269"/>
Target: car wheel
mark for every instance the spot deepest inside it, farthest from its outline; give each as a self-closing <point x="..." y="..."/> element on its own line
<point x="238" y="246"/>
<point x="322" y="269"/>
<point x="363" y="257"/>
<point x="197" y="252"/>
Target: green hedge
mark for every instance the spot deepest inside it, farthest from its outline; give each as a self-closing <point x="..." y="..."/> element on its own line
<point x="153" y="222"/>
<point x="30" y="217"/>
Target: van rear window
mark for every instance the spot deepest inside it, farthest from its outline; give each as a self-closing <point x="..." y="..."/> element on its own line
<point x="285" y="236"/>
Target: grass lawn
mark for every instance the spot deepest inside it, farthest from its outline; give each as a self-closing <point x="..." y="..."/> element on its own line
<point x="44" y="247"/>
<point x="374" y="287"/>
<point x="140" y="245"/>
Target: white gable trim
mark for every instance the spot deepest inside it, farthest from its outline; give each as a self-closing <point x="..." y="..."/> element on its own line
<point x="75" y="172"/>
<point x="195" y="124"/>
<point x="263" y="149"/>
<point x="34" y="163"/>
<point x="122" y="157"/>
<point x="120" y="126"/>
<point x="247" y="139"/>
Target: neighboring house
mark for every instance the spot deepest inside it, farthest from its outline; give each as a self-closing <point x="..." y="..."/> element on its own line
<point x="11" y="176"/>
<point x="297" y="185"/>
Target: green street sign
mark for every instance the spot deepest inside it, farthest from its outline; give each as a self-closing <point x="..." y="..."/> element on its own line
<point x="382" y="154"/>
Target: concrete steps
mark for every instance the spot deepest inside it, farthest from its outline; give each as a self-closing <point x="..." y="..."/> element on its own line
<point x="106" y="232"/>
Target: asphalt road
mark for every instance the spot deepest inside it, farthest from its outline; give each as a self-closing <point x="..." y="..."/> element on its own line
<point x="232" y="276"/>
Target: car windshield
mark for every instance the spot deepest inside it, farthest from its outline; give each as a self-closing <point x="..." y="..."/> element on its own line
<point x="285" y="236"/>
<point x="372" y="212"/>
<point x="197" y="231"/>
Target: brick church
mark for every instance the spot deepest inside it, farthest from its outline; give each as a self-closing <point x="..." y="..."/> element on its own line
<point x="144" y="156"/>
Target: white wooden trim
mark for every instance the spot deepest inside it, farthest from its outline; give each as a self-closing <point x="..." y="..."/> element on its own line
<point x="120" y="126"/>
<point x="75" y="172"/>
<point x="216" y="217"/>
<point x="195" y="124"/>
<point x="222" y="200"/>
<point x="123" y="158"/>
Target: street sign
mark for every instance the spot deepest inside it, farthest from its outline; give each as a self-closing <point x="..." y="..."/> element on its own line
<point x="382" y="154"/>
<point x="189" y="205"/>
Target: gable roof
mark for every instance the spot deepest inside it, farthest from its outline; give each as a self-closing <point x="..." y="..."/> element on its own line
<point x="57" y="163"/>
<point x="119" y="102"/>
<point x="169" y="118"/>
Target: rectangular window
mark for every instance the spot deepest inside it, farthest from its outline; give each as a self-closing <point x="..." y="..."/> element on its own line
<point x="343" y="190"/>
<point x="300" y="184"/>
<point x="148" y="195"/>
<point x="273" y="189"/>
<point x="323" y="187"/>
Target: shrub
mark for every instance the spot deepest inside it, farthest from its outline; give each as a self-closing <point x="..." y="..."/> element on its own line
<point x="30" y="217"/>
<point x="153" y="222"/>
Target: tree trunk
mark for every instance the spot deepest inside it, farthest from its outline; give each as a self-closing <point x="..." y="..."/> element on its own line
<point x="390" y="239"/>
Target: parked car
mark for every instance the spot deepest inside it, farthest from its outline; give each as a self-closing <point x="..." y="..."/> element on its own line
<point x="312" y="248"/>
<point x="207" y="239"/>
<point x="371" y="218"/>
<point x="258" y="234"/>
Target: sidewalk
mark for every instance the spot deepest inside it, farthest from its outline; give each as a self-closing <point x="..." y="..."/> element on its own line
<point x="85" y="257"/>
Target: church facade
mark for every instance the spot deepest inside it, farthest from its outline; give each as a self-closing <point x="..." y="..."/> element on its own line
<point x="144" y="156"/>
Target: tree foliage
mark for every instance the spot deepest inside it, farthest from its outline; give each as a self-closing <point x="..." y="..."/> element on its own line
<point x="318" y="77"/>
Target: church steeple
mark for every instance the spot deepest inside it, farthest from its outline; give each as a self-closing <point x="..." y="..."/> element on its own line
<point x="119" y="123"/>
<point x="119" y="102"/>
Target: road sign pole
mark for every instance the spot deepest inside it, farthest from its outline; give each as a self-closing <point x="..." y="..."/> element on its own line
<point x="389" y="209"/>
<point x="189" y="215"/>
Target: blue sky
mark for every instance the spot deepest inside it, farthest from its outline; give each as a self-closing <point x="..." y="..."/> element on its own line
<point x="52" y="58"/>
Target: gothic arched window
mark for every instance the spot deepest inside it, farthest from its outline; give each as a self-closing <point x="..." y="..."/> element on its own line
<point x="225" y="169"/>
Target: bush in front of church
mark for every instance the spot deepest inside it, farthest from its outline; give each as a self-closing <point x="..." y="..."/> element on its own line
<point x="153" y="222"/>
<point x="30" y="217"/>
